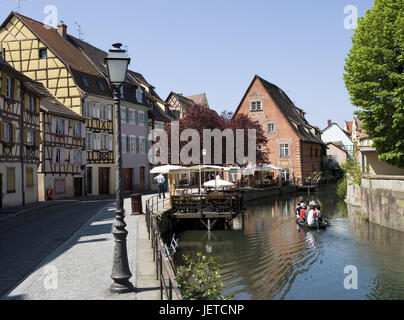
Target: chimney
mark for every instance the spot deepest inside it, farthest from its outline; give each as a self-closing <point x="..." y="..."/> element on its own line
<point x="329" y="122"/>
<point x="62" y="29"/>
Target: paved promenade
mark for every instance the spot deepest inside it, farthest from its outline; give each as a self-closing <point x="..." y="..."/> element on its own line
<point x="80" y="268"/>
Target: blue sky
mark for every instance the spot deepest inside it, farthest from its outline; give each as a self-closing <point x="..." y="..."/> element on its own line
<point x="194" y="46"/>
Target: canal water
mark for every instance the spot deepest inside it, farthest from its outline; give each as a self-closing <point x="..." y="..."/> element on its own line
<point x="271" y="257"/>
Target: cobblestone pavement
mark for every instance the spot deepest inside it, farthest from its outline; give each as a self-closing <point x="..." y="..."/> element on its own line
<point x="27" y="239"/>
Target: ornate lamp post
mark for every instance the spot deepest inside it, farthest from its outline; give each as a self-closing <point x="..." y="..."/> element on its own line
<point x="117" y="64"/>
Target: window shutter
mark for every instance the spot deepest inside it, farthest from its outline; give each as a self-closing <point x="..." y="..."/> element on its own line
<point x="14" y="133"/>
<point x="98" y="111"/>
<point x="66" y="127"/>
<point x="26" y="101"/>
<point x="83" y="130"/>
<point x="3" y="83"/>
<point x="37" y="105"/>
<point x="15" y="90"/>
<point x="137" y="145"/>
<point x="37" y="138"/>
<point x="62" y="155"/>
<point x="83" y="157"/>
<point x="109" y="112"/>
<point x="111" y="142"/>
<point x="1" y="131"/>
<point x="136" y="117"/>
<point x="54" y="155"/>
<point x="71" y="156"/>
<point x="145" y="118"/>
<point x="127" y="115"/>
<point x="53" y="129"/>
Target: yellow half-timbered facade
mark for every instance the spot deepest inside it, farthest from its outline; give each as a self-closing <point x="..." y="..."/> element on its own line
<point x="19" y="137"/>
<point x="48" y="55"/>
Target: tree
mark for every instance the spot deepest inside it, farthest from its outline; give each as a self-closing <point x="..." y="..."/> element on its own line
<point x="200" y="118"/>
<point x="374" y="77"/>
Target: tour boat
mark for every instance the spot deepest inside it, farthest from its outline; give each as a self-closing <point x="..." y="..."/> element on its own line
<point x="321" y="225"/>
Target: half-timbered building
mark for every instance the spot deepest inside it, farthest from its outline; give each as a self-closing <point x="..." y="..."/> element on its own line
<point x="63" y="157"/>
<point x="177" y="103"/>
<point x="293" y="144"/>
<point x="49" y="56"/>
<point x="19" y="137"/>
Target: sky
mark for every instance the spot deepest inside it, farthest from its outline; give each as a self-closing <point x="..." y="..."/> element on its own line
<point x="216" y="47"/>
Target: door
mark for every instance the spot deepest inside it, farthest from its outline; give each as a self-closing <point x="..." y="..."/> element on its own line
<point x="103" y="180"/>
<point x="78" y="187"/>
<point x="142" y="176"/>
<point x="89" y="180"/>
<point x="127" y="179"/>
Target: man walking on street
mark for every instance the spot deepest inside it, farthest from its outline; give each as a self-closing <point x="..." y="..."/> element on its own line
<point x="161" y="182"/>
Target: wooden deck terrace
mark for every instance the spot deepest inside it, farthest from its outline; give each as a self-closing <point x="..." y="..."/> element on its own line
<point x="207" y="207"/>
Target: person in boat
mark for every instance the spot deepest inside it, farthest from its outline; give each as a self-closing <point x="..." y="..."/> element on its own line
<point x="312" y="216"/>
<point x="318" y="212"/>
<point x="302" y="217"/>
<point x="299" y="206"/>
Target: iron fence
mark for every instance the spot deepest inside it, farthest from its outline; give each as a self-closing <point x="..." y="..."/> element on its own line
<point x="165" y="271"/>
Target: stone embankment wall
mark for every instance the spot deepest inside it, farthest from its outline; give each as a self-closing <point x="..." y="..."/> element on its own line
<point x="380" y="199"/>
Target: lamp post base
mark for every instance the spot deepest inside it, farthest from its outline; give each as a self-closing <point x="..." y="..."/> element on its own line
<point x="123" y="287"/>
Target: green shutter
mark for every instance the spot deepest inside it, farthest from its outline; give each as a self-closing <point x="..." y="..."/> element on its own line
<point x="127" y="115"/>
<point x="137" y="145"/>
<point x="137" y="117"/>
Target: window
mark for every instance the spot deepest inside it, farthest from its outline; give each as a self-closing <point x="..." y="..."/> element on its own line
<point x="86" y="109"/>
<point x="30" y="138"/>
<point x="123" y="143"/>
<point x="76" y="157"/>
<point x="8" y="88"/>
<point x="103" y="112"/>
<point x="89" y="141"/>
<point x="60" y="127"/>
<point x="139" y="95"/>
<point x="10" y="180"/>
<point x="271" y="128"/>
<point x="77" y="130"/>
<point x="58" y="158"/>
<point x="284" y="150"/>
<point x="127" y="143"/>
<point x="141" y="118"/>
<point x="29" y="172"/>
<point x="42" y="53"/>
<point x="123" y="114"/>
<point x="32" y="104"/>
<point x="100" y="85"/>
<point x="132" y="144"/>
<point x="255" y="105"/>
<point x="142" y="145"/>
<point x="105" y="141"/>
<point x="85" y="81"/>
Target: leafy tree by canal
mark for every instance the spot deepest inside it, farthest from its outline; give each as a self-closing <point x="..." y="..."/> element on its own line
<point x="374" y="77"/>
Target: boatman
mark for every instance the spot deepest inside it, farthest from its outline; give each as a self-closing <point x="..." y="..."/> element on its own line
<point x="161" y="182"/>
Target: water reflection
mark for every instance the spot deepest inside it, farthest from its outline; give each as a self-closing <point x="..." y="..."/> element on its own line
<point x="271" y="257"/>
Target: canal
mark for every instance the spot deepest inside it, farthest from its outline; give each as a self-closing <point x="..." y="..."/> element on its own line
<point x="271" y="257"/>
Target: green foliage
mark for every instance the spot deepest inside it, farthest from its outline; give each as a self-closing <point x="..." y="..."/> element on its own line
<point x="352" y="169"/>
<point x="342" y="188"/>
<point x="199" y="279"/>
<point x="374" y="77"/>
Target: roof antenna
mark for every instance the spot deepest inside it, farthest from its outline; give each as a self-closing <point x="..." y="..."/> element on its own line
<point x="79" y="31"/>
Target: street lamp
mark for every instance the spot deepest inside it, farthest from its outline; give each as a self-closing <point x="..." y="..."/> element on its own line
<point x="117" y="63"/>
<point x="204" y="153"/>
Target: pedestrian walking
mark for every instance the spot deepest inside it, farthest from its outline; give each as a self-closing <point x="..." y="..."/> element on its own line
<point x="161" y="184"/>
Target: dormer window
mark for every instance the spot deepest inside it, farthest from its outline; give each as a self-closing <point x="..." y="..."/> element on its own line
<point x="85" y="81"/>
<point x="139" y="95"/>
<point x="255" y="105"/>
<point x="100" y="85"/>
<point x="42" y="53"/>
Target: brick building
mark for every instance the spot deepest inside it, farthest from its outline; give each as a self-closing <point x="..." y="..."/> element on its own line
<point x="293" y="144"/>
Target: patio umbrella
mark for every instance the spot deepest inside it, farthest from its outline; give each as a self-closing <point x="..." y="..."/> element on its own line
<point x="165" y="169"/>
<point x="218" y="183"/>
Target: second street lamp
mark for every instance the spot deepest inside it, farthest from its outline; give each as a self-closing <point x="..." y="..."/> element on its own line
<point x="117" y="64"/>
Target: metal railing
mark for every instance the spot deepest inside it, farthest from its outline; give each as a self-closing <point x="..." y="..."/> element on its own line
<point x="165" y="271"/>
